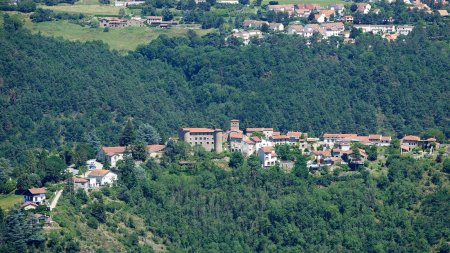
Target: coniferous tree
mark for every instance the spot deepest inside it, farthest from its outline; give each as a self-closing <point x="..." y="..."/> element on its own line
<point x="128" y="135"/>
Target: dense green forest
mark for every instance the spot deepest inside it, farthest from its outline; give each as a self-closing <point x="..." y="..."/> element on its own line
<point x="55" y="92"/>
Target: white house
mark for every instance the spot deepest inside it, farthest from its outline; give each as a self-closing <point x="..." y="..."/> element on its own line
<point x="101" y="177"/>
<point x="111" y="155"/>
<point x="267" y="156"/>
<point x="404" y="29"/>
<point x="35" y="195"/>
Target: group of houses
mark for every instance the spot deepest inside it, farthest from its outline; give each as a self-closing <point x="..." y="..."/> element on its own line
<point x="330" y="149"/>
<point x="114" y="22"/>
<point x="329" y="22"/>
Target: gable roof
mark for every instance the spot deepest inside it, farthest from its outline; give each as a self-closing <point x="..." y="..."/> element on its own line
<point x="267" y="149"/>
<point x="236" y="135"/>
<point x="256" y="139"/>
<point x="113" y="150"/>
<point x="327" y="13"/>
<point x="411" y="138"/>
<point x="79" y="180"/>
<point x="37" y="190"/>
<point x="29" y="204"/>
<point x="258" y="129"/>
<point x="155" y="148"/>
<point x="98" y="173"/>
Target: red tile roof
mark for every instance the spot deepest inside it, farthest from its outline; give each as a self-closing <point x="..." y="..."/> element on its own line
<point x="256" y="139"/>
<point x="322" y="153"/>
<point x="267" y="149"/>
<point x="113" y="150"/>
<point x="98" y="173"/>
<point x="198" y="130"/>
<point x="250" y="142"/>
<point x="294" y="134"/>
<point x="79" y="180"/>
<point x="279" y="137"/>
<point x="155" y="148"/>
<point x="234" y="120"/>
<point x="411" y="138"/>
<point x="258" y="129"/>
<point x="327" y="13"/>
<point x="29" y="204"/>
<point x="431" y="139"/>
<point x="339" y="135"/>
<point x="37" y="190"/>
<point x="236" y="135"/>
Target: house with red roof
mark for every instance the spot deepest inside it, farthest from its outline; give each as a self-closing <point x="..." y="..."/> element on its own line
<point x="99" y="178"/>
<point x="267" y="156"/>
<point x="35" y="195"/>
<point x="155" y="150"/>
<point x="112" y="155"/>
<point x="409" y="142"/>
<point x="80" y="183"/>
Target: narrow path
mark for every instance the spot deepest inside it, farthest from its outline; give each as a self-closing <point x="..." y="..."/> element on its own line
<point x="55" y="199"/>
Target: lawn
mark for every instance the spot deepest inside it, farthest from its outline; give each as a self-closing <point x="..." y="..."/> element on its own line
<point x="8" y="201"/>
<point x="89" y="9"/>
<point x="122" y="39"/>
<point x="321" y="2"/>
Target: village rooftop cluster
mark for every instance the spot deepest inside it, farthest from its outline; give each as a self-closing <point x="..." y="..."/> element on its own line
<point x="329" y="22"/>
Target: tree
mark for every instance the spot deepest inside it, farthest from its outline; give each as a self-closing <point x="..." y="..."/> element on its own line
<point x="372" y="153"/>
<point x="258" y="2"/>
<point x="11" y="23"/>
<point x="264" y="28"/>
<point x="139" y="151"/>
<point x="26" y="6"/>
<point x="446" y="165"/>
<point x="98" y="211"/>
<point x="148" y="134"/>
<point x="41" y="15"/>
<point x="122" y="13"/>
<point x="27" y="181"/>
<point x="51" y="169"/>
<point x="355" y="32"/>
<point x="167" y="14"/>
<point x="353" y="7"/>
<point x="127" y="173"/>
<point x="433" y="133"/>
<point x="300" y="168"/>
<point x="236" y="160"/>
<point x="128" y="135"/>
<point x="106" y="2"/>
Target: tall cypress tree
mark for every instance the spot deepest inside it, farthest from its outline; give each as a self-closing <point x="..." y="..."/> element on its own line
<point x="128" y="134"/>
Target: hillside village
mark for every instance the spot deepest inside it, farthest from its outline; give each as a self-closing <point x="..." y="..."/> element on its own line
<point x="239" y="22"/>
<point x="327" y="151"/>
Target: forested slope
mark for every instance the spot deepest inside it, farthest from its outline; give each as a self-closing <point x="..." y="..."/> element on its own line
<point x="54" y="91"/>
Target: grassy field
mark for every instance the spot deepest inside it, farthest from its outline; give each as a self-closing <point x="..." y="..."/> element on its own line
<point x="321" y="2"/>
<point x="90" y="9"/>
<point x="122" y="39"/>
<point x="8" y="201"/>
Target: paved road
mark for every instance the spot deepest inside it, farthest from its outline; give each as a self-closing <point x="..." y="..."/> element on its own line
<point x="55" y="199"/>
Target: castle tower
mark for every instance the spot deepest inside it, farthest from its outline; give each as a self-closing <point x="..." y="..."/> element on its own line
<point x="218" y="140"/>
<point x="234" y="125"/>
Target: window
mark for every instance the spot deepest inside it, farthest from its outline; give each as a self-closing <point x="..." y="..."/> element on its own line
<point x="207" y="143"/>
